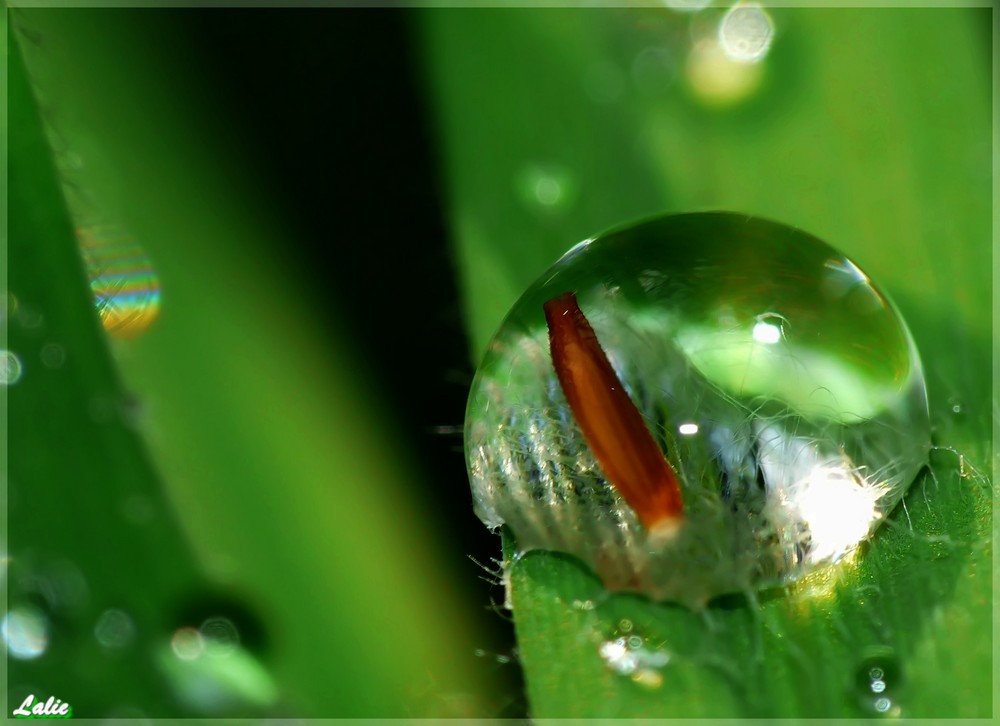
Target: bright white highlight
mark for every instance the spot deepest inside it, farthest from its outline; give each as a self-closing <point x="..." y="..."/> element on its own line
<point x="819" y="490"/>
<point x="767" y="333"/>
<point x="688" y="429"/>
<point x="839" y="510"/>
<point x="25" y="633"/>
<point x="10" y="368"/>
<point x="745" y="33"/>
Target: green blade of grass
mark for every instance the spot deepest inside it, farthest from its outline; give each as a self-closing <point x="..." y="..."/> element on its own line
<point x="282" y="476"/>
<point x="75" y="465"/>
<point x="871" y="129"/>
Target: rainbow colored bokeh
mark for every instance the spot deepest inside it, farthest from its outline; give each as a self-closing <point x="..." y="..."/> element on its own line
<point x="126" y="287"/>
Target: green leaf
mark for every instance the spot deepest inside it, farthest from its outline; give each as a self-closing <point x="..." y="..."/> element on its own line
<point x="869" y="128"/>
<point x="271" y="489"/>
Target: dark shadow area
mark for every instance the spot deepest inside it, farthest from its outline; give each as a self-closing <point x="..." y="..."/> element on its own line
<point x="328" y="108"/>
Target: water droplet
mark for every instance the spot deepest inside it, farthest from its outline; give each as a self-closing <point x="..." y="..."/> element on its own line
<point x="878" y="683"/>
<point x="583" y="604"/>
<point x="220" y="636"/>
<point x="226" y="622"/>
<point x="10" y="368"/>
<point x="745" y="32"/>
<point x="187" y="643"/>
<point x="53" y="355"/>
<point x="115" y="629"/>
<point x="126" y="287"/>
<point x="626" y="653"/>
<point x="546" y="186"/>
<point x="211" y="672"/>
<point x="25" y="631"/>
<point x="810" y="412"/>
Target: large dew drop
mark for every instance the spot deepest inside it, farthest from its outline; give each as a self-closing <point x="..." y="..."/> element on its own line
<point x="781" y="385"/>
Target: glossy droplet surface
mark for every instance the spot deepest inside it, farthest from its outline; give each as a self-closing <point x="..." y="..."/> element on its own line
<point x="778" y="381"/>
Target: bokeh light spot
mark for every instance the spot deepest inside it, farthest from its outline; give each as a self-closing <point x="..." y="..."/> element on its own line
<point x="745" y="33"/>
<point x="125" y="285"/>
<point x="10" y="368"/>
<point x="25" y="632"/>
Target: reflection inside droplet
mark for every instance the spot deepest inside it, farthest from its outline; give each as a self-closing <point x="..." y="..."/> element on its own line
<point x="25" y="631"/>
<point x="125" y="285"/>
<point x="812" y="420"/>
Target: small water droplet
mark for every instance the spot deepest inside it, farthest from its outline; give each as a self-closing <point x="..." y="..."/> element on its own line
<point x="583" y="604"/>
<point x="211" y="671"/>
<point x="25" y="631"/>
<point x="220" y="636"/>
<point x="115" y="629"/>
<point x="626" y="652"/>
<point x="125" y="285"/>
<point x="53" y="355"/>
<point x="226" y="620"/>
<point x="546" y="187"/>
<point x="187" y="643"/>
<point x="11" y="369"/>
<point x="878" y="683"/>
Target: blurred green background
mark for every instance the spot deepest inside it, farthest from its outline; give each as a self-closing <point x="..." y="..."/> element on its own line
<point x="241" y="492"/>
